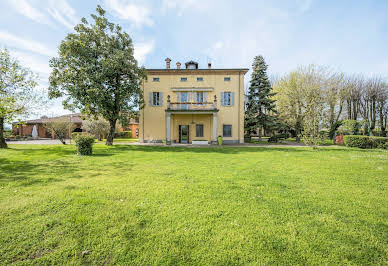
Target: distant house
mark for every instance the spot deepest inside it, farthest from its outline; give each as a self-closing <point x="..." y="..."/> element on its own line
<point x="25" y="128"/>
<point x="193" y="104"/>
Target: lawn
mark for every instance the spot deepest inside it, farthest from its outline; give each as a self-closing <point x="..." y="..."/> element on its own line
<point x="166" y="205"/>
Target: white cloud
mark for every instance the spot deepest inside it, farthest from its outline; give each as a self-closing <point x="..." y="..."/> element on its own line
<point x="181" y="5"/>
<point x="25" y="44"/>
<point x="62" y="12"/>
<point x="36" y="64"/>
<point x="138" y="14"/>
<point x="24" y="8"/>
<point x="218" y="45"/>
<point x="142" y="50"/>
<point x="304" y="5"/>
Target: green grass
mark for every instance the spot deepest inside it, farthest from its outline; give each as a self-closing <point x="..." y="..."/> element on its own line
<point x="166" y="205"/>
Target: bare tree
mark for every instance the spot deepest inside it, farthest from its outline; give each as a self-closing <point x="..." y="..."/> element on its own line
<point x="61" y="127"/>
<point x="382" y="108"/>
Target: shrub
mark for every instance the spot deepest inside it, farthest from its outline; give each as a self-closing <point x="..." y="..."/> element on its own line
<point x="123" y="134"/>
<point x="74" y="135"/>
<point x="273" y="139"/>
<point x="364" y="142"/>
<point x="84" y="144"/>
<point x="349" y="127"/>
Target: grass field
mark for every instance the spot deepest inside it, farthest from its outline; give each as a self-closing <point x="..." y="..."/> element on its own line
<point x="165" y="205"/>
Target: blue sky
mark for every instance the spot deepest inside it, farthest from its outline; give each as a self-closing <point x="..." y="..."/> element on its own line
<point x="348" y="35"/>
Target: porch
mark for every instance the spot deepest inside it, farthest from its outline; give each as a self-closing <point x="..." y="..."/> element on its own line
<point x="188" y="121"/>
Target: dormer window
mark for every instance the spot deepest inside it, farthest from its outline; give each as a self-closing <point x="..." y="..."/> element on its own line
<point x="156" y="79"/>
<point x="184" y="79"/>
<point x="191" y="65"/>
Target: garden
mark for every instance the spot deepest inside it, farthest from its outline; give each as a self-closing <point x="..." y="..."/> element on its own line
<point x="186" y="205"/>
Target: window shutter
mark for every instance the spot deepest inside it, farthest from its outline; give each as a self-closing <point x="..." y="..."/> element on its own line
<point x="189" y="97"/>
<point x="205" y="97"/>
<point x="150" y="98"/>
<point x="178" y="97"/>
<point x="232" y="100"/>
<point x="161" y="98"/>
<point x="222" y="98"/>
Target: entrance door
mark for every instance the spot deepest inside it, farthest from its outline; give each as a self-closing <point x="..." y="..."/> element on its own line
<point x="184" y="134"/>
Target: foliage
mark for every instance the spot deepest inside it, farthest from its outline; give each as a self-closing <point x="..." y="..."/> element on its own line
<point x="126" y="199"/>
<point x="124" y="134"/>
<point x="98" y="127"/>
<point x="260" y="107"/>
<point x="17" y="94"/>
<point x="61" y="127"/>
<point x="349" y="127"/>
<point x="364" y="142"/>
<point x="84" y="143"/>
<point x="97" y="73"/>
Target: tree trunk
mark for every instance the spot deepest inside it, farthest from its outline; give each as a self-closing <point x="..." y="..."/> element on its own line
<point x="109" y="139"/>
<point x="3" y="145"/>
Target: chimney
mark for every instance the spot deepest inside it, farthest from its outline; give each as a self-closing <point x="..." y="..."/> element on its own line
<point x="178" y="65"/>
<point x="168" y="60"/>
<point x="209" y="65"/>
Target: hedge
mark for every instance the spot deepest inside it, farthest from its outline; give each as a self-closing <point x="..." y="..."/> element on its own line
<point x="365" y="142"/>
<point x="84" y="144"/>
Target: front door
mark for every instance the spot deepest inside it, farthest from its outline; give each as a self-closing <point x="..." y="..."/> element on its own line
<point x="183" y="134"/>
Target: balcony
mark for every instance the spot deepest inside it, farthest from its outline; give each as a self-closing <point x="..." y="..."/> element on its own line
<point x="200" y="107"/>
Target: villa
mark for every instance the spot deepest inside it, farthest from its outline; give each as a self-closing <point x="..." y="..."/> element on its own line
<point x="193" y="105"/>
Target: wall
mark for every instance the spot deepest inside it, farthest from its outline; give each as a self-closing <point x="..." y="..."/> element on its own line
<point x="152" y="118"/>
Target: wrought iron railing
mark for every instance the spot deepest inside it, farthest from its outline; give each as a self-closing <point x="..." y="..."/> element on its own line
<point x="191" y="105"/>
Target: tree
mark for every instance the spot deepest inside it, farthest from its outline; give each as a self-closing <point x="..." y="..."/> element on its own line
<point x="61" y="127"/>
<point x="335" y="93"/>
<point x="97" y="72"/>
<point x="313" y="83"/>
<point x="261" y="109"/>
<point x="291" y="102"/>
<point x="98" y="127"/>
<point x="17" y="94"/>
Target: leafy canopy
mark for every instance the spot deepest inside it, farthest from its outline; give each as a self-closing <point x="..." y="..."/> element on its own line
<point x="96" y="71"/>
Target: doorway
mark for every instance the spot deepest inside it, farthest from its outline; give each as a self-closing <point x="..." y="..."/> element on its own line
<point x="183" y="134"/>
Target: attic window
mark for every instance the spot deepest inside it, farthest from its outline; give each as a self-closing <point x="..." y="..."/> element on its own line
<point x="191" y="65"/>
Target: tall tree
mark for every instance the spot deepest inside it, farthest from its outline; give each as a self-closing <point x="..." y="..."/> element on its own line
<point x="260" y="109"/>
<point x="17" y="94"/>
<point x="97" y="72"/>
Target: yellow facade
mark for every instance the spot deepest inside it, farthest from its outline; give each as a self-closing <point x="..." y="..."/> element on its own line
<point x="179" y="105"/>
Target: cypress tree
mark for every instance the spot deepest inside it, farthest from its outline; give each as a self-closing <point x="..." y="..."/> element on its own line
<point x="260" y="108"/>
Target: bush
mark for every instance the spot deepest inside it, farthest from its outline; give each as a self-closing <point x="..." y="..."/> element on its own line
<point x="123" y="134"/>
<point x="74" y="135"/>
<point x="273" y="139"/>
<point x="349" y="127"/>
<point x="84" y="144"/>
<point x="364" y="142"/>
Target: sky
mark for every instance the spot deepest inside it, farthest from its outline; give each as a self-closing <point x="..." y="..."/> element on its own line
<point x="347" y="35"/>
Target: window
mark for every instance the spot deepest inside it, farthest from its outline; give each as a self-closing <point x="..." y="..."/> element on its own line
<point x="227" y="130"/>
<point x="183" y="79"/>
<point x="156" y="98"/>
<point x="227" y="98"/>
<point x="191" y="66"/>
<point x="155" y="79"/>
<point x="199" y="130"/>
<point x="199" y="97"/>
<point x="226" y="78"/>
<point x="199" y="78"/>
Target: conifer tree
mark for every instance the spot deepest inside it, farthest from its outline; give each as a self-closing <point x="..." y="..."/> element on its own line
<point x="260" y="108"/>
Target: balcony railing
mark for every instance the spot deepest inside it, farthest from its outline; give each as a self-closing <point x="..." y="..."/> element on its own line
<point x="191" y="106"/>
